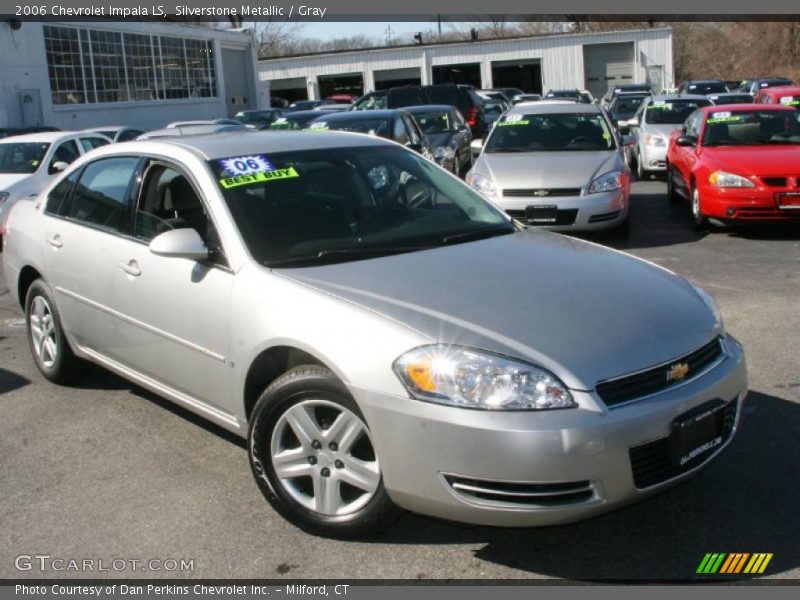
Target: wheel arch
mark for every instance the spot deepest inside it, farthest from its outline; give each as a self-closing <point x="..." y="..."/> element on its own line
<point x="271" y="363"/>
<point x="27" y="275"/>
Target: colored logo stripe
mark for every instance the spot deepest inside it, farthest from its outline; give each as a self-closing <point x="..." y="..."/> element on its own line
<point x="733" y="563"/>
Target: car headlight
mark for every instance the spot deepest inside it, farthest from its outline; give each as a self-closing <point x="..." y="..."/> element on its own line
<point x="654" y="140"/>
<point x="3" y="197"/>
<point x="710" y="303"/>
<point x="606" y="183"/>
<point x="481" y="184"/>
<point x="474" y="379"/>
<point x="729" y="180"/>
<point x="443" y="153"/>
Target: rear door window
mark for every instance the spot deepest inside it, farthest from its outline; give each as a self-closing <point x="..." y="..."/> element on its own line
<point x="66" y="152"/>
<point x="101" y="197"/>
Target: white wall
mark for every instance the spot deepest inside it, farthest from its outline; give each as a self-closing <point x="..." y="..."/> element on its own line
<point x="561" y="58"/>
<point x="23" y="65"/>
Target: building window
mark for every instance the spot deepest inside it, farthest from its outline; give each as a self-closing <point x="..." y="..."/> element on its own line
<point x="95" y="66"/>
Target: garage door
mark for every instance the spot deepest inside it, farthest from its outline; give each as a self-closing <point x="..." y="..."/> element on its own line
<point x="234" y="68"/>
<point x="606" y="65"/>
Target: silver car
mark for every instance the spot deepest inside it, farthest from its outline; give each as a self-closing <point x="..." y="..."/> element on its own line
<point x="381" y="335"/>
<point x="556" y="165"/>
<point x="652" y="125"/>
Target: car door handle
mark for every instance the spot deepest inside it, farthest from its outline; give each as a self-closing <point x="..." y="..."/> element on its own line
<point x="55" y="241"/>
<point x="131" y="268"/>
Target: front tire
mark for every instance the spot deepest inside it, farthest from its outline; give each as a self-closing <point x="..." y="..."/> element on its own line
<point x="642" y="173"/>
<point x="312" y="455"/>
<point x="701" y="223"/>
<point x="51" y="351"/>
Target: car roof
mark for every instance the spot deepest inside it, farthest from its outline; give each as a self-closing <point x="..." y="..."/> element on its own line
<point x="673" y="97"/>
<point x="50" y="137"/>
<point x="546" y="108"/>
<point x="245" y="143"/>
<point x="358" y="115"/>
<point x="427" y="108"/>
<point x="780" y="89"/>
<point x="744" y="107"/>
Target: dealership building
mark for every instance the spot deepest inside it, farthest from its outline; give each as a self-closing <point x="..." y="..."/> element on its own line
<point x="592" y="61"/>
<point x="75" y="75"/>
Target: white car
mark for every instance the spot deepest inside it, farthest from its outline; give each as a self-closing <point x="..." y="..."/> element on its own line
<point x="29" y="162"/>
<point x="118" y="133"/>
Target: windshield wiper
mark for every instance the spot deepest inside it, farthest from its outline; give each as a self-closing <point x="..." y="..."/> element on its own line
<point x="477" y="234"/>
<point x="343" y="253"/>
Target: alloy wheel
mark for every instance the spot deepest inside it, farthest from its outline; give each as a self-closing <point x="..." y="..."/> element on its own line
<point x="43" y="332"/>
<point x="324" y="458"/>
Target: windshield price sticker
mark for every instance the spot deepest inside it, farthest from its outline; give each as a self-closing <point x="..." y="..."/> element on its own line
<point x="262" y="176"/>
<point x="514" y="120"/>
<point x="660" y="105"/>
<point x="246" y="165"/>
<point x="321" y="126"/>
<point x="724" y="117"/>
<point x="790" y="100"/>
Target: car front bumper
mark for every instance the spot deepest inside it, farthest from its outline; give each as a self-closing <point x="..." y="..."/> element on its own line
<point x="654" y="158"/>
<point x="589" y="212"/>
<point x="434" y="457"/>
<point x="755" y="204"/>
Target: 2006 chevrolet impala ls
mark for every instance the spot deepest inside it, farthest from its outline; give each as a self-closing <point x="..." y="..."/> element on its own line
<point x="382" y="335"/>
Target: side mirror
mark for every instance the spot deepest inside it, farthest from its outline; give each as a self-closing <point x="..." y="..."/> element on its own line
<point x="58" y="166"/>
<point x="628" y="140"/>
<point x="179" y="243"/>
<point x="686" y="141"/>
<point x="415" y="147"/>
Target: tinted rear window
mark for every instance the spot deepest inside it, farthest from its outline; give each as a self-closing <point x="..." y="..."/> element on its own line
<point x="448" y="95"/>
<point x="405" y="97"/>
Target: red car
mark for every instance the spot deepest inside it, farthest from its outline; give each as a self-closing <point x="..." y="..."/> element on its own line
<point x="788" y="95"/>
<point x="737" y="163"/>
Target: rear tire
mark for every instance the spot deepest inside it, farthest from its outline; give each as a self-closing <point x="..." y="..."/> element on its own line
<point x="642" y="173"/>
<point x="672" y="193"/>
<point x="49" y="346"/>
<point x="308" y="428"/>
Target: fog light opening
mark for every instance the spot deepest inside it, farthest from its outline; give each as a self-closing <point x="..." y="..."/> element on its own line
<point x="731" y="212"/>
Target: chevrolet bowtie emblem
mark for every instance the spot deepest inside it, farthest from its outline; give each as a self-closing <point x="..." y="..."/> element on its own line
<point x="541" y="193"/>
<point x="677" y="372"/>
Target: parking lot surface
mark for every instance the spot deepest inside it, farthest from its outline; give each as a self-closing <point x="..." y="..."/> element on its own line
<point x="106" y="470"/>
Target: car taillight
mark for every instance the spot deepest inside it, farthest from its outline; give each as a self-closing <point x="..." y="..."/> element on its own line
<point x="472" y="116"/>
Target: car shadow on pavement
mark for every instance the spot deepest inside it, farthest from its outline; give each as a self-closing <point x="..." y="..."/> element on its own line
<point x="10" y="381"/>
<point x="745" y="501"/>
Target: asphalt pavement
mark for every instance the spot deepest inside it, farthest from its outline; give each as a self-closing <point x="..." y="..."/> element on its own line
<point x="105" y="470"/>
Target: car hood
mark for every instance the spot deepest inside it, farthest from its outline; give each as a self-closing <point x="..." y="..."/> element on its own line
<point x="764" y="161"/>
<point x="545" y="169"/>
<point x="584" y="312"/>
<point x="7" y="180"/>
<point x="439" y="139"/>
<point x="663" y="130"/>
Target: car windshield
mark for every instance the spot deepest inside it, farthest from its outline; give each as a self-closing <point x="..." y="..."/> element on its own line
<point x="109" y="133"/>
<point x="21" y="157"/>
<point x="371" y="126"/>
<point x="707" y="87"/>
<point x="339" y="204"/>
<point x="627" y="104"/>
<point x="672" y="112"/>
<point x="371" y="102"/>
<point x="434" y="122"/>
<point x="752" y="127"/>
<point x="732" y="99"/>
<point x="564" y="94"/>
<point x="255" y="117"/>
<point x="291" y="122"/>
<point x="549" y="132"/>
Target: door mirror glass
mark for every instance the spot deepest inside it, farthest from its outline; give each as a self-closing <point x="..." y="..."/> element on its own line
<point x="179" y="243"/>
<point x="686" y="141"/>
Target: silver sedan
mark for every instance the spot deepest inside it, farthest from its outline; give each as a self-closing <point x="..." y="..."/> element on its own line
<point x="381" y="335"/>
<point x="559" y="166"/>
